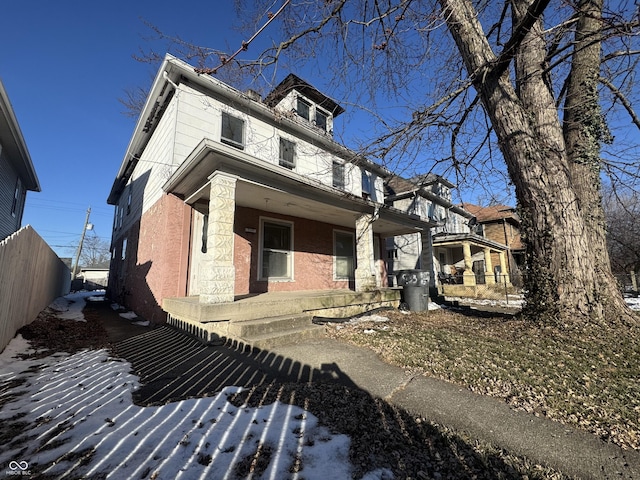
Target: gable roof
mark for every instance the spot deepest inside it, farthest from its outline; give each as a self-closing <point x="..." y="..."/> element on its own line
<point x="492" y="213"/>
<point x="293" y="82"/>
<point x="14" y="145"/>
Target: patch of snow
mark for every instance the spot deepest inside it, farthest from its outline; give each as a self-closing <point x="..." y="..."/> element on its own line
<point x="142" y="323"/>
<point x="115" y="306"/>
<point x="70" y="306"/>
<point x="129" y="315"/>
<point x="633" y="303"/>
<point x="82" y="405"/>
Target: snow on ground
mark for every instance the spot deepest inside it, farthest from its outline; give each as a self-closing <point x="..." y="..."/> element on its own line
<point x="81" y="404"/>
<point x="634" y="303"/>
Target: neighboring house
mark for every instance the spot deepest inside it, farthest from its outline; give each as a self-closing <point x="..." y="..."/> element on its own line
<point x="429" y="198"/>
<point x="17" y="174"/>
<point x="455" y="257"/>
<point x="222" y="195"/>
<point x="94" y="278"/>
<point x="501" y="224"/>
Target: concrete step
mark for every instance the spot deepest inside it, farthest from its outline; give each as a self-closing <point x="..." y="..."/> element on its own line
<point x="267" y="341"/>
<point x="264" y="326"/>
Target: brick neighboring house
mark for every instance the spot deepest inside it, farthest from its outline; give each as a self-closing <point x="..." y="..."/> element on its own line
<point x="501" y="224"/>
<point x="17" y="173"/>
<point x="223" y="195"/>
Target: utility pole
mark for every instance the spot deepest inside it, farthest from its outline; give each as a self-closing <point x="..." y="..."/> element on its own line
<point x="84" y="230"/>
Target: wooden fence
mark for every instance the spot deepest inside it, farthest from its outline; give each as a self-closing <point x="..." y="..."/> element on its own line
<point x="31" y="277"/>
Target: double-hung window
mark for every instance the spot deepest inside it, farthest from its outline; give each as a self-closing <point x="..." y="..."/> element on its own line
<point x="287" y="153"/>
<point x="338" y="175"/>
<point x="303" y="109"/>
<point x="343" y="246"/>
<point x="277" y="251"/>
<point x="232" y="131"/>
<point x="321" y="119"/>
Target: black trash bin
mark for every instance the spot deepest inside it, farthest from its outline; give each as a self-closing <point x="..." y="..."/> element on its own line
<point x="415" y="289"/>
<point x="416" y="297"/>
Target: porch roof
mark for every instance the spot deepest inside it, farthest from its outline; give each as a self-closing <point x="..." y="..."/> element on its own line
<point x="265" y="186"/>
<point x="455" y="239"/>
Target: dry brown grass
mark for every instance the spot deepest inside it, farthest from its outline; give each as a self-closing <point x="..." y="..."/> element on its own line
<point x="585" y="377"/>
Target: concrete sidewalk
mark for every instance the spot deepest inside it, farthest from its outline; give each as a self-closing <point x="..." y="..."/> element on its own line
<point x="543" y="441"/>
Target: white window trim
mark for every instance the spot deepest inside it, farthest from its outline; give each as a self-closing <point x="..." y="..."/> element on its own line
<point x="281" y="161"/>
<point x="16" y="198"/>
<point x="229" y="141"/>
<point x="353" y="251"/>
<point x="279" y="221"/>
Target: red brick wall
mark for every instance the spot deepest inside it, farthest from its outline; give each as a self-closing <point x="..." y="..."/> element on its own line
<point x="156" y="262"/>
<point x="313" y="255"/>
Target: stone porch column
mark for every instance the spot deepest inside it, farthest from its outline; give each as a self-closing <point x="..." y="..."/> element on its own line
<point x="365" y="272"/>
<point x="217" y="272"/>
<point x="504" y="269"/>
<point x="468" y="277"/>
<point x="489" y="277"/>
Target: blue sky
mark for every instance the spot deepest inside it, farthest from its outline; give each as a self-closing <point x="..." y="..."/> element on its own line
<point x="64" y="65"/>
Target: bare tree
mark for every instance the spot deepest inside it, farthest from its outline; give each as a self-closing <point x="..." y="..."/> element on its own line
<point x="622" y="213"/>
<point x="467" y="85"/>
<point x="95" y="252"/>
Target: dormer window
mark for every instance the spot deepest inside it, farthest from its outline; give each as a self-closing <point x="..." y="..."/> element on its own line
<point x="321" y="119"/>
<point x="303" y="109"/>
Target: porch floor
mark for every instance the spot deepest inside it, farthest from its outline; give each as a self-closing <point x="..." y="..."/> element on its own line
<point x="274" y="317"/>
<point x="326" y="303"/>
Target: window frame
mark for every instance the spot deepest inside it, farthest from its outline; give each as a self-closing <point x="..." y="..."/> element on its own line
<point x="290" y="252"/>
<point x="324" y="114"/>
<point x="336" y="257"/>
<point x="283" y="162"/>
<point x="337" y="167"/>
<point x="16" y="198"/>
<point x="307" y="106"/>
<point x="232" y="141"/>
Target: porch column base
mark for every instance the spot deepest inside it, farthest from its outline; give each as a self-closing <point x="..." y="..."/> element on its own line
<point x="218" y="281"/>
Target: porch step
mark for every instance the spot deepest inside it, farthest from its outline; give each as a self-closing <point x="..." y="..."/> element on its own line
<point x="270" y="332"/>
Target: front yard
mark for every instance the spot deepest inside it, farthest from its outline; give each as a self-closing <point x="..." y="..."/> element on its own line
<point x="586" y="378"/>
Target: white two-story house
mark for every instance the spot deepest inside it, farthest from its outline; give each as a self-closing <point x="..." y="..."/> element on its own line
<point x="223" y="195"/>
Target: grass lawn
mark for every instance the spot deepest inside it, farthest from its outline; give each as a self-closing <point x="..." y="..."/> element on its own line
<point x="588" y="378"/>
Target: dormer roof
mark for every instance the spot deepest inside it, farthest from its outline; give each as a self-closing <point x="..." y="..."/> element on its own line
<point x="293" y="82"/>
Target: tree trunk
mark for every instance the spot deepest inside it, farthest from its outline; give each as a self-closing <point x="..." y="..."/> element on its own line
<point x="560" y="287"/>
<point x="584" y="130"/>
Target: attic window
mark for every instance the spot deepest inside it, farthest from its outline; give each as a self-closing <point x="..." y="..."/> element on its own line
<point x="321" y="119"/>
<point x="303" y="109"/>
<point x="232" y="131"/>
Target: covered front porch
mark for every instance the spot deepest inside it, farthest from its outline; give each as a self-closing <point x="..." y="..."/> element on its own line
<point x="469" y="265"/>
